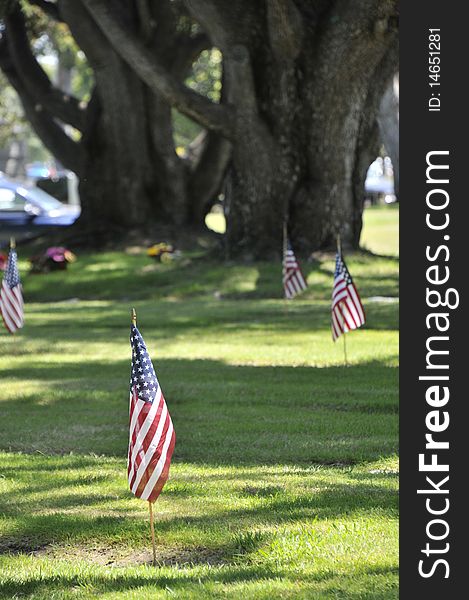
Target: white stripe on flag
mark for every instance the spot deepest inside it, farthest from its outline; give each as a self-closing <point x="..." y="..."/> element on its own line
<point x="159" y="467"/>
<point x="145" y="427"/>
<point x="358" y="304"/>
<point x="348" y="315"/>
<point x="151" y="448"/>
<point x="138" y="406"/>
<point x="11" y="304"/>
<point x="352" y="314"/>
<point x="336" y="331"/>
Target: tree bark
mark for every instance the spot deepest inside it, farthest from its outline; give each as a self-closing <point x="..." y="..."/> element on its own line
<point x="388" y="121"/>
<point x="305" y="85"/>
<point x="343" y="87"/>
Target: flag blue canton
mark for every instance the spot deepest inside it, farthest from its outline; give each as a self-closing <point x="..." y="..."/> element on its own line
<point x="12" y="276"/>
<point x="143" y="377"/>
<point x="341" y="269"/>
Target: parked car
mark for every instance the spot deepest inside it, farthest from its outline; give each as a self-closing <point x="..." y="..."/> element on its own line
<point x="23" y="206"/>
<point x="38" y="170"/>
<point x="58" y="182"/>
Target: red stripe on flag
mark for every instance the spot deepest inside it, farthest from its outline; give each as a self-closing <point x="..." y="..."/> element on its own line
<point x="154" y="460"/>
<point x="357" y="302"/>
<point x="165" y="473"/>
<point x="148" y="439"/>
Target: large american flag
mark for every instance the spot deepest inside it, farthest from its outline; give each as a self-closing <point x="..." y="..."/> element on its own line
<point x="11" y="297"/>
<point x="151" y="432"/>
<point x="347" y="309"/>
<point x="293" y="280"/>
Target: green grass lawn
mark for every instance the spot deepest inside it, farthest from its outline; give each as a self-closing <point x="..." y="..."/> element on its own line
<point x="381" y="229"/>
<point x="284" y="477"/>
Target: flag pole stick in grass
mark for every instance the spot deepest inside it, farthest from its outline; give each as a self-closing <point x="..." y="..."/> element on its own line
<point x="347" y="311"/>
<point x="152" y="529"/>
<point x="151" y="431"/>
<point x="345" y="350"/>
<point x="339" y="251"/>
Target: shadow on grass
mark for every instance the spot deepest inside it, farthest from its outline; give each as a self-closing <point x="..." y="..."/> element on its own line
<point x="223" y="414"/>
<point x="335" y="500"/>
<point x="111" y="276"/>
<point x="169" y="319"/>
<point x="329" y="584"/>
<point x="33" y="532"/>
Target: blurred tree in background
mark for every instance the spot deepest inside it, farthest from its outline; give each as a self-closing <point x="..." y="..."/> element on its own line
<point x="280" y="98"/>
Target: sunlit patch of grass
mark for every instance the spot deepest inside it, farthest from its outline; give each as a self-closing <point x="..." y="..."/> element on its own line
<point x="381" y="229"/>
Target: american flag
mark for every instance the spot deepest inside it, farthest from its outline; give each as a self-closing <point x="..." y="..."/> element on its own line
<point x="347" y="309"/>
<point x="11" y="297"/>
<point x="151" y="432"/>
<point x="293" y="280"/>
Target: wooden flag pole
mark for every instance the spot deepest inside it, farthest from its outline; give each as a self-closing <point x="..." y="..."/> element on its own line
<point x="339" y="250"/>
<point x="152" y="528"/>
<point x="285" y="244"/>
<point x="133" y="317"/>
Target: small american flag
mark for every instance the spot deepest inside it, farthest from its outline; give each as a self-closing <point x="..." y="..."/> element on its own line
<point x="293" y="280"/>
<point x="151" y="432"/>
<point x="347" y="309"/>
<point x="11" y="297"/>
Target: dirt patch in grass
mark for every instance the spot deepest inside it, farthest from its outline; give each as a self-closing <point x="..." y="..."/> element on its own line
<point x="118" y="556"/>
<point x="25" y="546"/>
<point x="262" y="491"/>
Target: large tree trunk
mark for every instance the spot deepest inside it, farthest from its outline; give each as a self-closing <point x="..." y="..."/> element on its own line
<point x="132" y="175"/>
<point x="305" y="79"/>
<point x="306" y="132"/>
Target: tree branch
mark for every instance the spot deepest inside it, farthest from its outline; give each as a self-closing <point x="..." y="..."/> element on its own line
<point x="212" y="116"/>
<point x="240" y="84"/>
<point x="207" y="177"/>
<point x="51" y="9"/>
<point x="188" y="49"/>
<point x="228" y="23"/>
<point x="65" y="149"/>
<point x="347" y="20"/>
<point x="285" y="29"/>
<point x="87" y="35"/>
<point x="63" y="106"/>
<point x="388" y="123"/>
<point x="368" y="140"/>
<point x="145" y="18"/>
